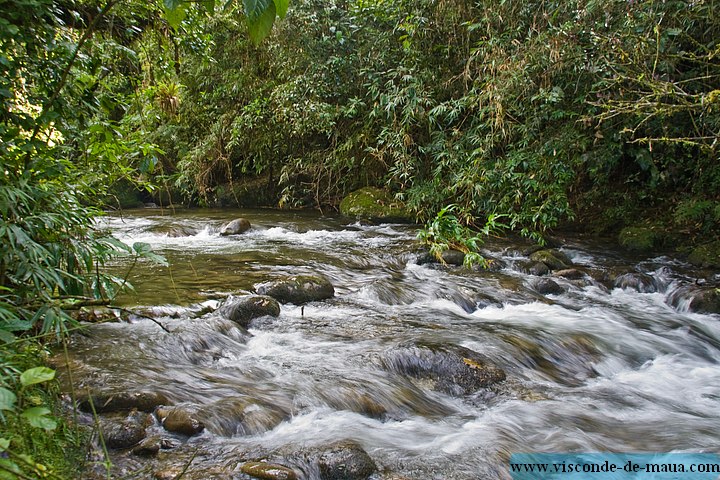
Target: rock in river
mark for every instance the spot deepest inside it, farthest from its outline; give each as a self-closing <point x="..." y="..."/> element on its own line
<point x="242" y="310"/>
<point x="453" y="369"/>
<point x="180" y="420"/>
<point x="374" y="204"/>
<point x="298" y="289"/>
<point x="268" y="471"/>
<point x="553" y="258"/>
<point x="547" y="286"/>
<point x="696" y="299"/>
<point x="345" y="461"/>
<point x="235" y="227"/>
<point x="116" y="402"/>
<point x="126" y="432"/>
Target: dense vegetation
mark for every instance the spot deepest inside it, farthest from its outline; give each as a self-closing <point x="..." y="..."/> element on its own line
<point x="544" y="111"/>
<point x="523" y="113"/>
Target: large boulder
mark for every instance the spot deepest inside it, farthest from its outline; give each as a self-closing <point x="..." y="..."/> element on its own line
<point x="553" y="258"/>
<point x="374" y="204"/>
<point x="243" y="310"/>
<point x="298" y="289"/>
<point x="640" y="238"/>
<point x="235" y="227"/>
<point x="452" y="369"/>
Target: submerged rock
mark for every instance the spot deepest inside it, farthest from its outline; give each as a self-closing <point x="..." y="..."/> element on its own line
<point x="640" y="282"/>
<point x="298" y="289"/>
<point x="175" y="231"/>
<point x="554" y="259"/>
<point x="235" y="227"/>
<point x="121" y="401"/>
<point x="241" y="416"/>
<point x="345" y="461"/>
<point x="374" y="204"/>
<point x="243" y="310"/>
<point x="268" y="471"/>
<point x="453" y="369"/>
<point x="180" y="420"/>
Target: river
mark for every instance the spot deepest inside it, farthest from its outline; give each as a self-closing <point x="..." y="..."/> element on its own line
<point x="590" y="368"/>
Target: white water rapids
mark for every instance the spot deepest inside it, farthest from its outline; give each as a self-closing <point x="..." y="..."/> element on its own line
<point x="591" y="369"/>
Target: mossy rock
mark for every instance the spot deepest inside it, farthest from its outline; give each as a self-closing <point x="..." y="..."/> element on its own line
<point x="707" y="255"/>
<point x="374" y="204"/>
<point x="554" y="259"/>
<point x="640" y="239"/>
<point x="298" y="289"/>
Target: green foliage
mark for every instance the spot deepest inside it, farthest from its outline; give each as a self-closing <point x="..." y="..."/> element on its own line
<point x="447" y="232"/>
<point x="36" y="442"/>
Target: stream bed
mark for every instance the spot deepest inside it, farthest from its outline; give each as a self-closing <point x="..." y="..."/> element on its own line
<point x="412" y="370"/>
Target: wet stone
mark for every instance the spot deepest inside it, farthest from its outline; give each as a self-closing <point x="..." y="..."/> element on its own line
<point x="122" y="401"/>
<point x="554" y="259"/>
<point x="640" y="282"/>
<point x="538" y="269"/>
<point x="243" y="310"/>
<point x="149" y="446"/>
<point x="126" y="432"/>
<point x="548" y="286"/>
<point x="167" y="474"/>
<point x="570" y="274"/>
<point x="180" y="420"/>
<point x="696" y="299"/>
<point x="268" y="471"/>
<point x="345" y="461"/>
<point x="453" y="257"/>
<point x="235" y="227"/>
<point x="453" y="369"/>
<point x="298" y="289"/>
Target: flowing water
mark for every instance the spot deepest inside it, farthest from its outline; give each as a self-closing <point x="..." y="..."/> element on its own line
<point x="590" y="369"/>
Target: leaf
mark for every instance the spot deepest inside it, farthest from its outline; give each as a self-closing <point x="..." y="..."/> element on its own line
<point x="141" y="247"/>
<point x="259" y="16"/>
<point x="171" y="4"/>
<point x="4" y="444"/>
<point x="37" y="416"/>
<point x="281" y="7"/>
<point x="7" y="399"/>
<point x="7" y="337"/>
<point x="176" y="15"/>
<point x="36" y="375"/>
